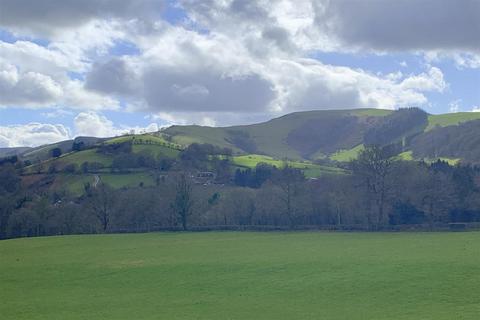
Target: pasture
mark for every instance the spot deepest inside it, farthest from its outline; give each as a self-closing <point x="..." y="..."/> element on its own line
<point x="310" y="170"/>
<point x="233" y="275"/>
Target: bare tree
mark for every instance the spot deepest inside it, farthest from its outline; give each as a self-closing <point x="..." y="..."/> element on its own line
<point x="101" y="202"/>
<point x="373" y="166"/>
<point x="290" y="180"/>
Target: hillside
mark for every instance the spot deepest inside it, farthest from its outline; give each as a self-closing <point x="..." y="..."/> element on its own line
<point x="335" y="135"/>
<point x="316" y="142"/>
<point x="300" y="135"/>
<point x="135" y="160"/>
<point x="8" y="152"/>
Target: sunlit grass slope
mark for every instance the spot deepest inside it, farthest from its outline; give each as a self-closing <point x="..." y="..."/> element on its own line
<point x="450" y="119"/>
<point x="310" y="170"/>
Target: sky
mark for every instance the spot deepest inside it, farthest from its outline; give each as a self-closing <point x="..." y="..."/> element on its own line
<point x="105" y="67"/>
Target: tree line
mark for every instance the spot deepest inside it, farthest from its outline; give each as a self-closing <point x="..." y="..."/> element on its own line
<point x="379" y="193"/>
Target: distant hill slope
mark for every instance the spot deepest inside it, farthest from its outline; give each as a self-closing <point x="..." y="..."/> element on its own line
<point x="336" y="135"/>
<point x="300" y="135"/>
<point x="8" y="152"/>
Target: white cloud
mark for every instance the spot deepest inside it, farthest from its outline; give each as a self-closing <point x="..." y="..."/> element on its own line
<point x="37" y="90"/>
<point x="454" y="106"/>
<point x="96" y="125"/>
<point x="92" y="124"/>
<point x="28" y="89"/>
<point x="189" y="72"/>
<point x="85" y="124"/>
<point x="33" y="57"/>
<point x="431" y="81"/>
<point x="32" y="134"/>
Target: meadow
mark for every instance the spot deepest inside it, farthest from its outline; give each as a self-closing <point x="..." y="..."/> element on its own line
<point x="233" y="275"/>
<point x="310" y="170"/>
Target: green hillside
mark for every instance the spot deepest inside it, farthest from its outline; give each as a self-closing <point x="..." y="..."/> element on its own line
<point x="247" y="275"/>
<point x="75" y="183"/>
<point x="309" y="135"/>
<point x="277" y="137"/>
<point x="311" y="170"/>
<point x="450" y="119"/>
<point x="337" y="135"/>
<point x="301" y="139"/>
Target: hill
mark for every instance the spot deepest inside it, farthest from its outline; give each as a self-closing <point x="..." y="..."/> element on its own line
<point x="300" y="135"/>
<point x="8" y="152"/>
<point x="316" y="142"/>
<point x="336" y="135"/>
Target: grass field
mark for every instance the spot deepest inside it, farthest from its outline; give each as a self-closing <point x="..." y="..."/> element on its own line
<point x="75" y="183"/>
<point x="347" y="155"/>
<point x="450" y="119"/>
<point x="228" y="275"/>
<point x="311" y="170"/>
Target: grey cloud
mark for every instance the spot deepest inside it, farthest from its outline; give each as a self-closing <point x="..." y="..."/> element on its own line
<point x="211" y="12"/>
<point x="49" y="16"/>
<point x="279" y="36"/>
<point x="200" y="89"/>
<point x="317" y="95"/>
<point x="403" y="25"/>
<point x="248" y="9"/>
<point x="113" y="77"/>
<point x="167" y="89"/>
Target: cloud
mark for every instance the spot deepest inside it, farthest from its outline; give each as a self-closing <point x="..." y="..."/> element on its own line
<point x="52" y="17"/>
<point x="402" y="25"/>
<point x="309" y="84"/>
<point x="186" y="71"/>
<point x="33" y="57"/>
<point x="167" y="89"/>
<point x="225" y="61"/>
<point x="211" y="74"/>
<point x="114" y="76"/>
<point x="96" y="125"/>
<point x="454" y="106"/>
<point x="93" y="124"/>
<point x="85" y="124"/>
<point x="36" y="90"/>
<point x="431" y="81"/>
<point x="28" y="89"/>
<point x="32" y="134"/>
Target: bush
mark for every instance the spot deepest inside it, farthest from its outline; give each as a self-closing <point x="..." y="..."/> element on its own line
<point x="56" y="152"/>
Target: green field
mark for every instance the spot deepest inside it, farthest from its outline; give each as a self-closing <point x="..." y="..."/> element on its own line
<point x="450" y="119"/>
<point x="311" y="170"/>
<point x="347" y="155"/>
<point x="228" y="275"/>
<point x="75" y="183"/>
